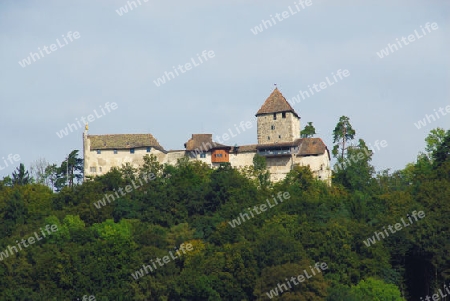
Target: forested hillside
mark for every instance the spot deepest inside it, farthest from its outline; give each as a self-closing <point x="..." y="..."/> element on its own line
<point x="236" y="252"/>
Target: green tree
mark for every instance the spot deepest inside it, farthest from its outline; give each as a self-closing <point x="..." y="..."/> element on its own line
<point x="354" y="171"/>
<point x="309" y="131"/>
<point x="6" y="182"/>
<point x="151" y="166"/>
<point x="341" y="293"/>
<point x="261" y="172"/>
<point x="21" y="176"/>
<point x="70" y="169"/>
<point x="434" y="139"/>
<point x="273" y="277"/>
<point x="376" y="290"/>
<point x="442" y="152"/>
<point x="51" y="175"/>
<point x="15" y="211"/>
<point x="343" y="133"/>
<point x="299" y="177"/>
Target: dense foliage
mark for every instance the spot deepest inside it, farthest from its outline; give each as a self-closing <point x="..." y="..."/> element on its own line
<point x="96" y="250"/>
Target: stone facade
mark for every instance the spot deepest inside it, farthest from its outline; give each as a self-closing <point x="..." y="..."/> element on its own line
<point x="283" y="150"/>
<point x="278" y="127"/>
<point x="98" y="162"/>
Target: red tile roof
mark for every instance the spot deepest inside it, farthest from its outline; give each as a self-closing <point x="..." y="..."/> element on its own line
<point x="311" y="146"/>
<point x="276" y="103"/>
<point x="306" y="146"/>
<point x="202" y="143"/>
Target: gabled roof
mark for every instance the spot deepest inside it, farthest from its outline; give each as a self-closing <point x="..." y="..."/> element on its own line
<point x="123" y="141"/>
<point x="306" y="146"/>
<point x="245" y="148"/>
<point x="202" y="143"/>
<point x="275" y="103"/>
<point x="311" y="146"/>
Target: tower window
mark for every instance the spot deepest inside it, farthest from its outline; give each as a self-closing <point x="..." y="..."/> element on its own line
<point x="279" y="136"/>
<point x="283" y="115"/>
<point x="131" y="150"/>
<point x="274" y="116"/>
<point x="268" y="137"/>
<point x="272" y="127"/>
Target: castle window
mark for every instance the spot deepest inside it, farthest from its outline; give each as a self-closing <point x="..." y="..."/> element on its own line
<point x="272" y="127"/>
<point x="274" y="116"/>
<point x="131" y="150"/>
<point x="283" y="115"/>
<point x="115" y="152"/>
<point x="93" y="169"/>
<point x="279" y="136"/>
<point x="268" y="138"/>
<point x="99" y="152"/>
<point x="148" y="149"/>
<point x="202" y="155"/>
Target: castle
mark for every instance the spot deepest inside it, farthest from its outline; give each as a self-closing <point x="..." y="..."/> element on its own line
<point x="278" y="130"/>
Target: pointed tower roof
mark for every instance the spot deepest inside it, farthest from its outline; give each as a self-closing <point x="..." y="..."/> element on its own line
<point x="276" y="103"/>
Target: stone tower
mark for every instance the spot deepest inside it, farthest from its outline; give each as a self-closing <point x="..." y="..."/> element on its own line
<point x="277" y="120"/>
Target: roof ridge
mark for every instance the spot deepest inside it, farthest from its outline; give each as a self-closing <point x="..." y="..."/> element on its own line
<point x="275" y="103"/>
<point x="110" y="141"/>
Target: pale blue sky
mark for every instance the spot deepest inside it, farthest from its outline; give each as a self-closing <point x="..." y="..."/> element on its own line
<point x="117" y="58"/>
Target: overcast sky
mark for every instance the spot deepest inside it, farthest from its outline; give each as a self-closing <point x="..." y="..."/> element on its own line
<point x="117" y="59"/>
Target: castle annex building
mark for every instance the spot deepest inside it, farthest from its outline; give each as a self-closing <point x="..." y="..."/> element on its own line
<point x="278" y="130"/>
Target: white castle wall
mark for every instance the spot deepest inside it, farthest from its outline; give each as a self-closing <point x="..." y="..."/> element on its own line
<point x="172" y="157"/>
<point x="277" y="166"/>
<point x="285" y="130"/>
<point x="319" y="165"/>
<point x="106" y="160"/>
<point x="240" y="160"/>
